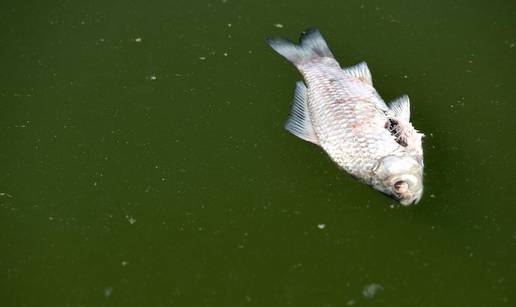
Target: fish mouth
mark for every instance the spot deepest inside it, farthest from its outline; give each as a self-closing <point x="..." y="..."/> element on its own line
<point x="408" y="200"/>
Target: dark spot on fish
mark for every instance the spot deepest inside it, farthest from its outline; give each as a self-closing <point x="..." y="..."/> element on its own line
<point x="341" y="101"/>
<point x="333" y="80"/>
<point x="393" y="126"/>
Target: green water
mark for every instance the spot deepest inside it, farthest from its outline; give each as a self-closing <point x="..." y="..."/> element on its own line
<point x="144" y="161"/>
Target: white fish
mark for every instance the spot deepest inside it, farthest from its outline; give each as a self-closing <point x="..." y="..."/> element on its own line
<point x="339" y="110"/>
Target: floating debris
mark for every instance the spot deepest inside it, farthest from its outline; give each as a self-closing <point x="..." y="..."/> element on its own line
<point x="130" y="219"/>
<point x="278" y="25"/>
<point x="108" y="291"/>
<point x="138" y="39"/>
<point x="202" y="58"/>
<point x="153" y="77"/>
<point x="125" y="263"/>
<point x="370" y="290"/>
<point x="321" y="226"/>
<point x="6" y="194"/>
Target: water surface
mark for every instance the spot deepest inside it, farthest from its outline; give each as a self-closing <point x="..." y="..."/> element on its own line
<point x="144" y="161"/>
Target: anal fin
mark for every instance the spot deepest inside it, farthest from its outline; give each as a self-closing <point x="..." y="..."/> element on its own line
<point x="298" y="122"/>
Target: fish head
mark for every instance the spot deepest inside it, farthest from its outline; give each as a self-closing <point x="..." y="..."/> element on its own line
<point x="400" y="177"/>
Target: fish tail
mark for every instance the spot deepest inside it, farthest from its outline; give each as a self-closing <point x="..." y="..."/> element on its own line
<point x="311" y="47"/>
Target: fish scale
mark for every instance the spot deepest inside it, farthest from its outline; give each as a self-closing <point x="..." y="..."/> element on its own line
<point x="344" y="115"/>
<point x="339" y="110"/>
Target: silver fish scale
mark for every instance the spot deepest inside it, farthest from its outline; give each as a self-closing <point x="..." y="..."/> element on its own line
<point x="348" y="118"/>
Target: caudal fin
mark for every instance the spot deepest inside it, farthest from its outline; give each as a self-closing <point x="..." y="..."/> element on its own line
<point x="311" y="47"/>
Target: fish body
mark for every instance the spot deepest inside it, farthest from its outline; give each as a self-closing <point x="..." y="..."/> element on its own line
<point x="340" y="110"/>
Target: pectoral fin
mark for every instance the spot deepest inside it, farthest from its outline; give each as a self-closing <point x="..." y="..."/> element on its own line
<point x="401" y="107"/>
<point x="298" y="122"/>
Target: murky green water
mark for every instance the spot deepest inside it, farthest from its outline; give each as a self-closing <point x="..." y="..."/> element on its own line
<point x="144" y="161"/>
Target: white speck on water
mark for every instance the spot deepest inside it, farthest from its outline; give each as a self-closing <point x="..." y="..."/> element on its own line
<point x="278" y="25"/>
<point x="511" y="45"/>
<point x="6" y="194"/>
<point x="202" y="58"/>
<point x="229" y="25"/>
<point x="108" y="291"/>
<point x="432" y="195"/>
<point x="101" y="40"/>
<point x="296" y="266"/>
<point x="50" y="218"/>
<point x="371" y="290"/>
<point x="405" y="77"/>
<point x="138" y="39"/>
<point x="153" y="77"/>
<point x="130" y="219"/>
<point x="321" y="226"/>
<point x="393" y="20"/>
<point x="225" y="54"/>
<point x="125" y="263"/>
<point x="350" y="303"/>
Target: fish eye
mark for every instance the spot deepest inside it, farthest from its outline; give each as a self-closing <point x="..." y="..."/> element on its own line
<point x="400" y="186"/>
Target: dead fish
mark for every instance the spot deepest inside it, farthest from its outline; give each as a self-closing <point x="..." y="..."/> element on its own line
<point x="340" y="110"/>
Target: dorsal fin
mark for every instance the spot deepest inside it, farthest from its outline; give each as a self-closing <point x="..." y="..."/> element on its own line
<point x="298" y="122"/>
<point x="360" y="71"/>
<point x="401" y="107"/>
